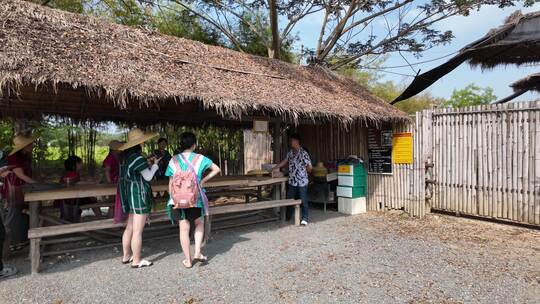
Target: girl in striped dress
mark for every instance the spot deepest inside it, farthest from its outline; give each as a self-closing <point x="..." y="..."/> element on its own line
<point x="136" y="195"/>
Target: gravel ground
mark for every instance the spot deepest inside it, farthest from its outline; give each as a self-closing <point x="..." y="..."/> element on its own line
<point x="371" y="258"/>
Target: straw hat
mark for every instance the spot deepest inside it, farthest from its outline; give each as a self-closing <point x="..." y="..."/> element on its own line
<point x="115" y="145"/>
<point x="20" y="142"/>
<point x="136" y="137"/>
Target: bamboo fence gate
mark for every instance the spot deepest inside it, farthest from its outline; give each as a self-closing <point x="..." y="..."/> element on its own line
<point x="487" y="161"/>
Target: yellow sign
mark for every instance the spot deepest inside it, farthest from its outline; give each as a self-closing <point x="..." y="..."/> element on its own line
<point x="402" y="148"/>
<point x="344" y="169"/>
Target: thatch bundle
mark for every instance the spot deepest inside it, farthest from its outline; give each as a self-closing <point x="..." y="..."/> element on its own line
<point x="529" y="83"/>
<point x="54" y="62"/>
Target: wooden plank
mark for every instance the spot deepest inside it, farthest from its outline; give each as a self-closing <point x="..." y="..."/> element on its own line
<point x="156" y="217"/>
<point x="445" y="162"/>
<point x="537" y="167"/>
<point x="531" y="150"/>
<point x="509" y="166"/>
<point x="481" y="163"/>
<point x="469" y="162"/>
<point x="223" y="209"/>
<point x="81" y="191"/>
<point x="519" y="161"/>
<point x="475" y="165"/>
<point x="498" y="161"/>
<point x="461" y="155"/>
<point x="504" y="162"/>
<point x="525" y="181"/>
<point x="513" y="181"/>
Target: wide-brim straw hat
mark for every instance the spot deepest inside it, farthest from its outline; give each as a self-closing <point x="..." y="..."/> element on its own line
<point x="20" y="142"/>
<point x="115" y="145"/>
<point x="136" y="137"/>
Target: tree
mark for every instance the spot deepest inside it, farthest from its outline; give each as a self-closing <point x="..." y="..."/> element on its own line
<point x="471" y="95"/>
<point x="350" y="30"/>
<point x="388" y="90"/>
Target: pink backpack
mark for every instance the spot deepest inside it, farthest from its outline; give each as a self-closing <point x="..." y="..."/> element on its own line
<point x="185" y="185"/>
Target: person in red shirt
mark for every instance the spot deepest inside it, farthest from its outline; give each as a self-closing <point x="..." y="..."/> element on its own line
<point x="20" y="162"/>
<point x="111" y="164"/>
<point x="69" y="208"/>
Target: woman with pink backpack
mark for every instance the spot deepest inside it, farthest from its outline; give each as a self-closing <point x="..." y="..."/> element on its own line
<point x="188" y="203"/>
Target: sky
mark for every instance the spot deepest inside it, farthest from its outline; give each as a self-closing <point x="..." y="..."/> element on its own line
<point x="465" y="30"/>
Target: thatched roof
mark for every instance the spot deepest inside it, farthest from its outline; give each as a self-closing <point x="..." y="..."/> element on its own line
<point x="529" y="83"/>
<point x="54" y="62"/>
<point x="515" y="42"/>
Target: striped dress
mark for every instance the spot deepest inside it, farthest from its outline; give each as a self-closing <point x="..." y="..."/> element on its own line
<point x="135" y="191"/>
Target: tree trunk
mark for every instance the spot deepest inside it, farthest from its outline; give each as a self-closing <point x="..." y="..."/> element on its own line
<point x="273" y="52"/>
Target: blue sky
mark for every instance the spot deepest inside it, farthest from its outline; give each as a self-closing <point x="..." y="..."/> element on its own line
<point x="465" y="30"/>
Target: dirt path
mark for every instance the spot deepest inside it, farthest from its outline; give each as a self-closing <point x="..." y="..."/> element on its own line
<point x="372" y="258"/>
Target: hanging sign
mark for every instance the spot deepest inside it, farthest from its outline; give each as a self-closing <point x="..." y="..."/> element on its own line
<point x="260" y="125"/>
<point x="402" y="148"/>
<point x="379" y="151"/>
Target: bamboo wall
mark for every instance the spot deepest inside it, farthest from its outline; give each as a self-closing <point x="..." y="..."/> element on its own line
<point x="405" y="187"/>
<point x="487" y="161"/>
<point x="257" y="150"/>
<point x="330" y="142"/>
<point x="399" y="190"/>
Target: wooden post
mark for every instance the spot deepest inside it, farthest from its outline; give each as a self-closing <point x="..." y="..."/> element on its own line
<point x="277" y="139"/>
<point x="297" y="215"/>
<point x="35" y="255"/>
<point x="207" y="229"/>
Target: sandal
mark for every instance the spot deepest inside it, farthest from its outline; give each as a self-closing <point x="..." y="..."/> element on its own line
<point x="184" y="262"/>
<point x="201" y="259"/>
<point x="142" y="264"/>
<point x="130" y="260"/>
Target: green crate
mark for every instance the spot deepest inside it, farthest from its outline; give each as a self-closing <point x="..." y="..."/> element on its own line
<point x="351" y="192"/>
<point x="352" y="181"/>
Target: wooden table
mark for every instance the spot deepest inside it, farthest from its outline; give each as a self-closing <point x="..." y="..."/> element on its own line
<point x="35" y="196"/>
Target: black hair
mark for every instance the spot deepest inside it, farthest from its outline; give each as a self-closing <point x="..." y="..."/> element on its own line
<point x="295" y="136"/>
<point x="163" y="139"/>
<point x="71" y="163"/>
<point x="137" y="149"/>
<point x="23" y="155"/>
<point x="187" y="140"/>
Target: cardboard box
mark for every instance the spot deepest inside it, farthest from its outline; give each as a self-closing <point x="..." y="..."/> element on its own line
<point x="352" y="205"/>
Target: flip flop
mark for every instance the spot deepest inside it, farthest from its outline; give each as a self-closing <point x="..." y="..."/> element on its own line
<point x="185" y="265"/>
<point x="128" y="261"/>
<point x="201" y="259"/>
<point x="142" y="264"/>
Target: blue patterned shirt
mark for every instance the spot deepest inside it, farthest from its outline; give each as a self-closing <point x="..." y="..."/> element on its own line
<point x="298" y="162"/>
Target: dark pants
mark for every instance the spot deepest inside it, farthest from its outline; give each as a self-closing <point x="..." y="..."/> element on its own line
<point x="2" y="238"/>
<point x="300" y="193"/>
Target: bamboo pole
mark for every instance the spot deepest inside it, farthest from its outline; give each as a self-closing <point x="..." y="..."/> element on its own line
<point x="537" y="167"/>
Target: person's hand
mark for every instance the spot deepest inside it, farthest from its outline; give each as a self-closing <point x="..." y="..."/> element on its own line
<point x="4" y="170"/>
<point x="275" y="169"/>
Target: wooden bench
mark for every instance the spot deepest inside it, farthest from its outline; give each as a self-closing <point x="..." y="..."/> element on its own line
<point x="36" y="234"/>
